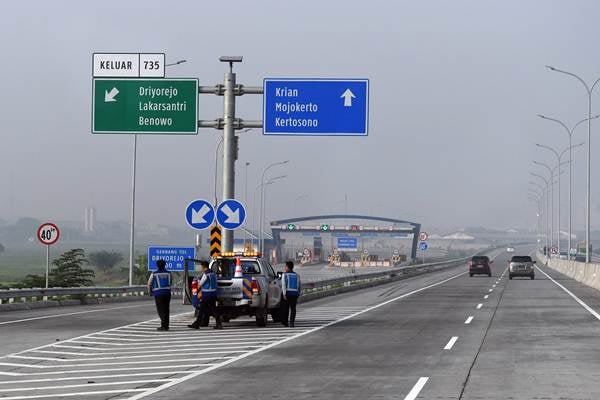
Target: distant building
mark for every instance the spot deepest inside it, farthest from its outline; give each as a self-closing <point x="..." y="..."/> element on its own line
<point x="89" y="224"/>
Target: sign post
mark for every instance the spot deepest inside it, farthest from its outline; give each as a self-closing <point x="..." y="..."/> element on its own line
<point x="48" y="234"/>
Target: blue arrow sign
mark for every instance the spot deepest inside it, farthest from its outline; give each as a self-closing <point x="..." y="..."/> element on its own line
<point x="423" y="246"/>
<point x="174" y="257"/>
<point x="200" y="214"/>
<point x="334" y="107"/>
<point x="347" y="243"/>
<point x="231" y="214"/>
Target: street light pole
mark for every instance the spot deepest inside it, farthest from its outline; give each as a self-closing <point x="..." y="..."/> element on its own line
<point x="543" y="213"/>
<point x="548" y="209"/>
<point x="262" y="194"/>
<point x="570" y="133"/>
<point x="589" y="91"/>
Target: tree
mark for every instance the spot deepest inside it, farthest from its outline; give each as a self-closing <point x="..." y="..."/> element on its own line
<point x="69" y="271"/>
<point x="33" y="281"/>
<point x="105" y="260"/>
<point x="140" y="270"/>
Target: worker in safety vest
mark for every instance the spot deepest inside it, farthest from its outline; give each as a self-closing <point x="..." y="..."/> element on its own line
<point x="208" y="285"/>
<point x="159" y="285"/>
<point x="290" y="288"/>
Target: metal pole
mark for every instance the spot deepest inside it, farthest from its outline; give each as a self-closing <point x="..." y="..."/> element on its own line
<point x="589" y="182"/>
<point x="229" y="149"/>
<point x="558" y="217"/>
<point x="570" y="194"/>
<point x="47" y="264"/>
<point x="246" y="201"/>
<point x="132" y="221"/>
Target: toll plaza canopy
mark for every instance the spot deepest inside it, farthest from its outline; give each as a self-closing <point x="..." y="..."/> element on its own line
<point x="300" y="225"/>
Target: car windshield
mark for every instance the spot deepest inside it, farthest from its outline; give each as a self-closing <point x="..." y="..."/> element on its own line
<point x="225" y="267"/>
<point x="520" y="259"/>
<point x="480" y="259"/>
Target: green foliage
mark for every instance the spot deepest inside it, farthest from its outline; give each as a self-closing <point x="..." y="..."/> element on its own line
<point x="140" y="270"/>
<point x="105" y="260"/>
<point x="69" y="271"/>
<point x="33" y="281"/>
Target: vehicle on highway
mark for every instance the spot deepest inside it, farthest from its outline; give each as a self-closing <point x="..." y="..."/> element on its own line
<point x="480" y="265"/>
<point x="510" y="250"/>
<point x="521" y="266"/>
<point x="256" y="293"/>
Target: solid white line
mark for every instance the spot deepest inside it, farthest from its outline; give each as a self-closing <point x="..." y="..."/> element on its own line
<point x="195" y="350"/>
<point x="37" y="366"/>
<point x="282" y="341"/>
<point x="74" y="378"/>
<point x="41" y="396"/>
<point x="69" y="314"/>
<point x="577" y="299"/>
<point x="414" y="392"/>
<point x="144" y="349"/>
<point x="451" y="343"/>
<point x="479" y="306"/>
<point x="22" y="389"/>
<point x="468" y="321"/>
<point x="128" y="357"/>
<point x="486" y="296"/>
<point x="81" y="371"/>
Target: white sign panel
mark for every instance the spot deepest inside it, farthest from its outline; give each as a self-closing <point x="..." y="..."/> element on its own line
<point x="129" y="65"/>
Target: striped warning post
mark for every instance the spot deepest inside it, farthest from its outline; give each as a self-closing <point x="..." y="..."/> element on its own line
<point x="215" y="240"/>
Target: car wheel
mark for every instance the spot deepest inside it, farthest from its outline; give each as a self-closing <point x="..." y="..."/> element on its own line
<point x="509" y="276"/>
<point x="490" y="274"/>
<point x="262" y="315"/>
<point x="471" y="275"/>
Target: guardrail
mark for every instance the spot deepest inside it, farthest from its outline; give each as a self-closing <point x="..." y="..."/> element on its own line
<point x="39" y="297"/>
<point x="586" y="273"/>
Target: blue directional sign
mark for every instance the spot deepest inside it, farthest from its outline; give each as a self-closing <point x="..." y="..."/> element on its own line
<point x="231" y="214"/>
<point x="173" y="256"/>
<point x="334" y="107"/>
<point x="347" y="243"/>
<point x="200" y="214"/>
<point x="423" y="246"/>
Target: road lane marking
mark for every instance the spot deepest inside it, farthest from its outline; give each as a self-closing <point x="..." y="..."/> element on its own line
<point x="23" y="389"/>
<point x="486" y="296"/>
<point x="79" y="394"/>
<point x="69" y="314"/>
<point x="479" y="305"/>
<point x="74" y="378"/>
<point x="414" y="392"/>
<point x="451" y="343"/>
<point x="491" y="290"/>
<point x="285" y="340"/>
<point x="577" y="299"/>
<point x="468" y="321"/>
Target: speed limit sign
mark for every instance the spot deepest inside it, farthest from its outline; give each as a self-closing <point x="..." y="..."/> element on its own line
<point x="423" y="236"/>
<point x="48" y="233"/>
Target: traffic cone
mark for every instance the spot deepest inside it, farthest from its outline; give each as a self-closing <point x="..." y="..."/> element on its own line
<point x="238" y="268"/>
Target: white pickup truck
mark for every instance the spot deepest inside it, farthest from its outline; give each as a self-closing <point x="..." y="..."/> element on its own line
<point x="257" y="293"/>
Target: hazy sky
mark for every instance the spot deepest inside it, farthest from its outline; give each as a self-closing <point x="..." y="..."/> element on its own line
<point x="455" y="87"/>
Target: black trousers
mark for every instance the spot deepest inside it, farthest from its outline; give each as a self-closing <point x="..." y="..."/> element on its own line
<point x="288" y="309"/>
<point x="162" y="307"/>
<point x="208" y="308"/>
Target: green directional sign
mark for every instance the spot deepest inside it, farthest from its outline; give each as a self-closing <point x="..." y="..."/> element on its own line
<point x="154" y="106"/>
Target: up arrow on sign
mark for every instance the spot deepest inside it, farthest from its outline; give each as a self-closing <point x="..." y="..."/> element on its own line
<point x="348" y="96"/>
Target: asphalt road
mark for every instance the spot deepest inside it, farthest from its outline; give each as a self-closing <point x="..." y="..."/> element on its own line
<point x="437" y="336"/>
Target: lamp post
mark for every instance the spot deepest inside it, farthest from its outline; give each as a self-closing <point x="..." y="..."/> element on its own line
<point x="539" y="196"/>
<point x="262" y="194"/>
<point x="589" y="90"/>
<point x="542" y="193"/>
<point x="570" y="133"/>
<point x="549" y="226"/>
<point x="559" y="157"/>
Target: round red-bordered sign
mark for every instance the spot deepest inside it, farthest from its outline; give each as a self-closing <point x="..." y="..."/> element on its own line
<point x="48" y="233"/>
<point x="423" y="236"/>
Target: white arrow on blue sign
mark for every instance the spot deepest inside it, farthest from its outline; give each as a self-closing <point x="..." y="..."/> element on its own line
<point x="231" y="214"/>
<point x="200" y="214"/>
<point x="326" y="107"/>
<point x="423" y="246"/>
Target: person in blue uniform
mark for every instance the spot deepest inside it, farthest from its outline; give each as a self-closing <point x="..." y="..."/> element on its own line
<point x="159" y="285"/>
<point x="290" y="288"/>
<point x="208" y="285"/>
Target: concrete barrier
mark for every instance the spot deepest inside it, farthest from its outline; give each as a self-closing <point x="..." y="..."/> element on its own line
<point x="588" y="274"/>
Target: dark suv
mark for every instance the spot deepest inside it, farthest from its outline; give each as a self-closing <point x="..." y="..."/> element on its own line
<point x="480" y="265"/>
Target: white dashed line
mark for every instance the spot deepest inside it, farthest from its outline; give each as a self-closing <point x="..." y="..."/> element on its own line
<point x="412" y="395"/>
<point x="491" y="290"/>
<point x="479" y="306"/>
<point x="468" y="321"/>
<point x="486" y="296"/>
<point x="451" y="343"/>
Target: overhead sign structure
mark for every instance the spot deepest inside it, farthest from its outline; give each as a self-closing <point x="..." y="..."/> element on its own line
<point x="423" y="236"/>
<point x="128" y="65"/>
<point x="347" y="243"/>
<point x="48" y="233"/>
<point x="174" y="257"/>
<point x="423" y="246"/>
<point x="319" y="107"/>
<point x="200" y="214"/>
<point x="231" y="214"/>
<point x="151" y="106"/>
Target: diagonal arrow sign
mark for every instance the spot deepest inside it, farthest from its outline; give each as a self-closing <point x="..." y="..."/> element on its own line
<point x="110" y="96"/>
<point x="348" y="96"/>
<point x="233" y="217"/>
<point x="199" y="217"/>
